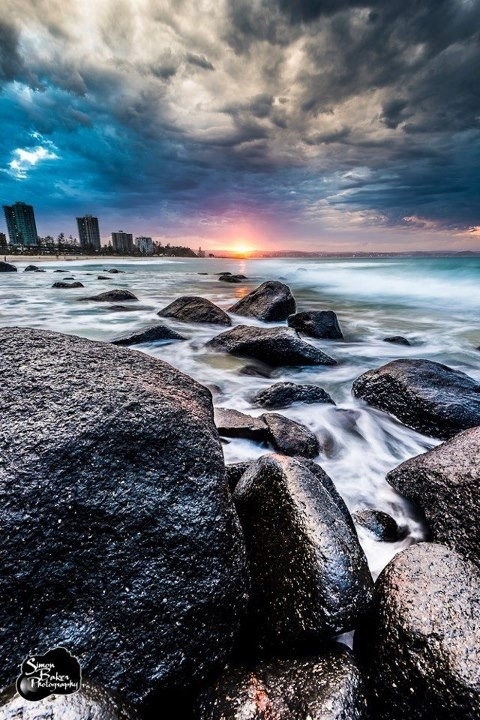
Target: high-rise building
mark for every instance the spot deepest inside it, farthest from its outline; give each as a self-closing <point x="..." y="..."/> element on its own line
<point x="22" y="229"/>
<point x="122" y="242"/>
<point x="89" y="232"/>
<point x="145" y="245"/>
<point x="3" y="239"/>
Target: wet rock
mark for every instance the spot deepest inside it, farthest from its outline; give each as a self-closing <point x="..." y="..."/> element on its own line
<point x="33" y="268"/>
<point x="123" y="308"/>
<point x="234" y="472"/>
<point x="445" y="484"/>
<point x="114" y="296"/>
<point x="274" y="346"/>
<point x="321" y="324"/>
<point x="91" y="702"/>
<point x="420" y="643"/>
<point x="152" y="333"/>
<point x="103" y="277"/>
<point x="231" y="278"/>
<point x="68" y="285"/>
<point x="283" y="394"/>
<point x="424" y="395"/>
<point x="397" y="340"/>
<point x="60" y="271"/>
<point x="233" y="423"/>
<point x="326" y="687"/>
<point x="380" y="524"/>
<point x="191" y="308"/>
<point x="119" y="537"/>
<point x="309" y="575"/>
<point x="7" y="267"/>
<point x="256" y="371"/>
<point x="270" y="302"/>
<point x="290" y="437"/>
<point x="114" y="271"/>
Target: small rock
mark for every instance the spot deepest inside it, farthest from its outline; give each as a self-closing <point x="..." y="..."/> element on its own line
<point x="290" y="437"/>
<point x="122" y="308"/>
<point x="283" y="394"/>
<point x="321" y="324"/>
<point x="234" y="472"/>
<point x="114" y="271"/>
<point x="103" y="277"/>
<point x="326" y="687"/>
<point x="275" y="346"/>
<point x="150" y="334"/>
<point x="235" y="424"/>
<point x="66" y="285"/>
<point x="380" y="524"/>
<point x="445" y="484"/>
<point x="270" y="302"/>
<point x="191" y="308"/>
<point x="60" y="271"/>
<point x="7" y="267"/>
<point x="309" y="575"/>
<point x="230" y="278"/>
<point x="256" y="371"/>
<point x="397" y="340"/>
<point x="113" y="296"/>
<point x="420" y="641"/>
<point x="424" y="395"/>
<point x="33" y="268"/>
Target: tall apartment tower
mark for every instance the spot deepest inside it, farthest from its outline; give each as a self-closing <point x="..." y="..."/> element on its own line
<point x="89" y="232"/>
<point x="22" y="229"/>
<point x="122" y="242"/>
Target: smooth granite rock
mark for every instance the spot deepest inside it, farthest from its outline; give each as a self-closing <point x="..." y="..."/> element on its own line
<point x="113" y="296"/>
<point x="380" y="524"/>
<point x="290" y="437"/>
<point x="152" y="333"/>
<point x="271" y="302"/>
<point x="321" y="324"/>
<point x="284" y="394"/>
<point x="235" y="424"/>
<point x="67" y="285"/>
<point x="193" y="309"/>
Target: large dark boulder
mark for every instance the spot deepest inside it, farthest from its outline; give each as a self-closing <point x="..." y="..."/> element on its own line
<point x="113" y="296"/>
<point x="309" y="575"/>
<point x="235" y="424"/>
<point x="119" y="538"/>
<point x="283" y="394"/>
<point x="152" y="333"/>
<point x="327" y="687"/>
<point x="321" y="324"/>
<point x="7" y="267"/>
<point x="270" y="302"/>
<point x="193" y="309"/>
<point x="425" y="395"/>
<point x="445" y="484"/>
<point x="290" y="437"/>
<point x="275" y="346"/>
<point x="421" y="642"/>
<point x="67" y="285"/>
<point x="91" y="702"/>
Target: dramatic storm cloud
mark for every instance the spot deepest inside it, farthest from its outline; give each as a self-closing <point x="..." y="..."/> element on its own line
<point x="307" y="123"/>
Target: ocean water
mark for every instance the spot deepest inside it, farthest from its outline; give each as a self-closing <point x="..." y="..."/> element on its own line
<point x="435" y="303"/>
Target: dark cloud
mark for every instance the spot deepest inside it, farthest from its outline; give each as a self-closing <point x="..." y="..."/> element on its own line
<point x="200" y="61"/>
<point x="11" y="63"/>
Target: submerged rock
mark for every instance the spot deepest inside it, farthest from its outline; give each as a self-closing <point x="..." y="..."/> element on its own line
<point x="290" y="437"/>
<point x="445" y="484"/>
<point x="274" y="346"/>
<point x="283" y="394"/>
<point x="7" y="267"/>
<point x="191" y="308"/>
<point x="326" y="687"/>
<point x="321" y="324"/>
<point x="103" y="277"/>
<point x="152" y="333"/>
<point x="380" y="524"/>
<point x="33" y="268"/>
<point x="91" y="702"/>
<point x="256" y="371"/>
<point x="424" y="395"/>
<point x="235" y="424"/>
<point x="270" y="302"/>
<point x="114" y="271"/>
<point x="67" y="285"/>
<point x="229" y="278"/>
<point x="309" y="575"/>
<point x="114" y="296"/>
<point x="397" y="340"/>
<point x="120" y="541"/>
<point x="420" y="643"/>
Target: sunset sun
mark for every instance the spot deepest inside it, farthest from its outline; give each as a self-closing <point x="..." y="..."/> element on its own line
<point x="241" y="248"/>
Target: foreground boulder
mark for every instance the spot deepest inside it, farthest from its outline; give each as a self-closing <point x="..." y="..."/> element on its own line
<point x="274" y="346"/>
<point x="283" y="394"/>
<point x="270" y="302"/>
<point x="153" y="333"/>
<point x="113" y="296"/>
<point x="327" y="687"/>
<point x="321" y="324"/>
<point x="67" y="285"/>
<point x="424" y="395"/>
<point x="290" y="437"/>
<point x="421" y="642"/>
<point x="193" y="309"/>
<point x="91" y="702"/>
<point x="119" y="538"/>
<point x="7" y="267"/>
<point x="309" y="576"/>
<point x="445" y="484"/>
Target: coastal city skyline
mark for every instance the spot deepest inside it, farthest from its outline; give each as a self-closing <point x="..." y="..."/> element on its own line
<point x="272" y="124"/>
